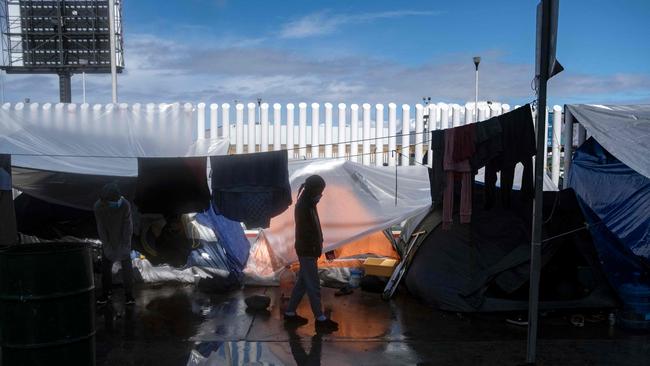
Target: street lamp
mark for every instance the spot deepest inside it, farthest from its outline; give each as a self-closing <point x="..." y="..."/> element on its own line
<point x="83" y="62"/>
<point x="477" y="60"/>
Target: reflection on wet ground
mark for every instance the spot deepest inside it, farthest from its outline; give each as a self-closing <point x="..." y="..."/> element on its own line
<point x="173" y="325"/>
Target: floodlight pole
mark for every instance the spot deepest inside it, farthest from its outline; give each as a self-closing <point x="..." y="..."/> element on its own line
<point x="111" y="36"/>
<point x="65" y="86"/>
<point x="536" y="242"/>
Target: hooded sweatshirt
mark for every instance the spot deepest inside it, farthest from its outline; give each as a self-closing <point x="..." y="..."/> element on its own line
<point x="309" y="237"/>
<point x="115" y="227"/>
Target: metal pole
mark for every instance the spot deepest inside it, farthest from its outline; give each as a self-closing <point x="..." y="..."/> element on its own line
<point x="111" y="30"/>
<point x="476" y="97"/>
<point x="477" y="61"/>
<point x="536" y="242"/>
<point x="65" y="88"/>
<point x="83" y="85"/>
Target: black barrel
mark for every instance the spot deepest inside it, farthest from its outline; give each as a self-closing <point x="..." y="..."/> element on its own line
<point x="47" y="298"/>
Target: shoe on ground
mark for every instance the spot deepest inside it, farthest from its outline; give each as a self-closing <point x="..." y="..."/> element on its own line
<point x="129" y="300"/>
<point x="520" y="321"/>
<point x="326" y="326"/>
<point x="295" y="320"/>
<point x="103" y="299"/>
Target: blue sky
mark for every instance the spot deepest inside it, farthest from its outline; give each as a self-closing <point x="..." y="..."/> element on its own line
<point x="367" y="51"/>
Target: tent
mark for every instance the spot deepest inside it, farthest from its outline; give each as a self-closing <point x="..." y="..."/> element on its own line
<point x="610" y="173"/>
<point x="358" y="201"/>
<point x="484" y="266"/>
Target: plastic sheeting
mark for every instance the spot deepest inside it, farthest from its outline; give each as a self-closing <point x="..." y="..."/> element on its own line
<point x="624" y="130"/>
<point x="230" y="235"/>
<point x="100" y="140"/>
<point x="357" y="201"/>
<point x="616" y="201"/>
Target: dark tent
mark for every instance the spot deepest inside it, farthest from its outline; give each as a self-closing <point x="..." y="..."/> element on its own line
<point x="484" y="266"/>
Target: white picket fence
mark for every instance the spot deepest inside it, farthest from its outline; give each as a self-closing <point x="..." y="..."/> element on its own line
<point x="371" y="135"/>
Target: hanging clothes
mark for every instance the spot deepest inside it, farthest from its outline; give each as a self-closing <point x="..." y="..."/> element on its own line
<point x="517" y="146"/>
<point x="251" y="188"/>
<point x="487" y="141"/>
<point x="8" y="232"/>
<point x="172" y="186"/>
<point x="437" y="172"/>
<point x="459" y="148"/>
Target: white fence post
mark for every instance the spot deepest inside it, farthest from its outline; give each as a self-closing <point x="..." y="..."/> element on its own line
<point x="225" y="122"/>
<point x="366" y="134"/>
<point x="214" y="108"/>
<point x="419" y="128"/>
<point x="546" y="124"/>
<point x="315" y="127"/>
<point x="557" y="135"/>
<point x="481" y="113"/>
<point x="302" y="130"/>
<point x="239" y="146"/>
<point x="379" y="134"/>
<point x="406" y="131"/>
<point x="277" y="127"/>
<point x="444" y="116"/>
<point x="469" y="113"/>
<point x="455" y="115"/>
<point x="328" y="130"/>
<point x="290" y="131"/>
<point x="200" y="121"/>
<point x="264" y="126"/>
<point x="392" y="130"/>
<point x="251" y="128"/>
<point x="342" y="126"/>
<point x="505" y="108"/>
<point x="354" y="132"/>
<point x="495" y="110"/>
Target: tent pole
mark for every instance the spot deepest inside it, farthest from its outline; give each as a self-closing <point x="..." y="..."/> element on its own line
<point x="536" y="242"/>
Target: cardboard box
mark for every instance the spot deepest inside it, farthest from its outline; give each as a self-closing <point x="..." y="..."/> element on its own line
<point x="382" y="267"/>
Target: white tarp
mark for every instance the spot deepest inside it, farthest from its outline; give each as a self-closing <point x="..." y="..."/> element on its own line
<point x="358" y="200"/>
<point x="100" y="140"/>
<point x="623" y="130"/>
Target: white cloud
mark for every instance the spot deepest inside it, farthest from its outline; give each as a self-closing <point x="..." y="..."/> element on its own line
<point x="163" y="70"/>
<point x="324" y="22"/>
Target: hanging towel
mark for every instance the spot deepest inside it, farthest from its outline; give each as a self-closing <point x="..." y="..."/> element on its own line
<point x="172" y="186"/>
<point x="251" y="188"/>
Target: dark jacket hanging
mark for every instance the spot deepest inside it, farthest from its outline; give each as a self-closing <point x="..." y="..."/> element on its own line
<point x="172" y="186"/>
<point x="517" y="146"/>
<point x="252" y="188"/>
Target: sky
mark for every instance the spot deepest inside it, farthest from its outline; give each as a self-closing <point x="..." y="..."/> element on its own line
<point x="375" y="51"/>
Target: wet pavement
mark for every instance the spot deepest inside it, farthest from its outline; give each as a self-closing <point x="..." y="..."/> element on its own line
<point x="179" y="325"/>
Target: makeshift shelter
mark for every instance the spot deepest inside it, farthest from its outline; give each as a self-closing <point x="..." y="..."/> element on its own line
<point x="65" y="155"/>
<point x="610" y="173"/>
<point x="358" y="201"/>
<point x="484" y="265"/>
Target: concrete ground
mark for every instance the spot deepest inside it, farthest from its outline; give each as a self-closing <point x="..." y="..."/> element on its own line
<point x="178" y="325"/>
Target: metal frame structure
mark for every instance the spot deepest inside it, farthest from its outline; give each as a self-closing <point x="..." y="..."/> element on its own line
<point x="60" y="37"/>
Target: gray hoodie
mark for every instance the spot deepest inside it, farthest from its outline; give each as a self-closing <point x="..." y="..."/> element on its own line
<point x="115" y="227"/>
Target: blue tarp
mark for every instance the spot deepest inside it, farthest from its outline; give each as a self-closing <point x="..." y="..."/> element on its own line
<point x="616" y="203"/>
<point x="234" y="246"/>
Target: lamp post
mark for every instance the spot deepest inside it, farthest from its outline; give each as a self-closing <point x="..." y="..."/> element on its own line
<point x="477" y="60"/>
<point x="83" y="62"/>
